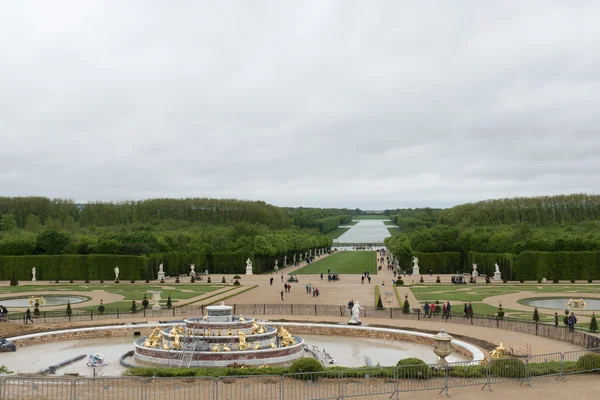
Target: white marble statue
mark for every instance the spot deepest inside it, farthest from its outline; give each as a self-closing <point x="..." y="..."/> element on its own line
<point x="497" y="268"/>
<point x="276" y="266"/>
<point x="497" y="274"/>
<point x="415" y="270"/>
<point x="475" y="274"/>
<point x="33" y="274"/>
<point x="248" y="267"/>
<point x="116" y="273"/>
<point x="192" y="269"/>
<point x="294" y="258"/>
<point x="355" y="320"/>
<point x="161" y="273"/>
<point x="284" y="261"/>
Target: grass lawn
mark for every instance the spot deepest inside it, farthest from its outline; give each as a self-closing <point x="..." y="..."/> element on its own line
<point x="344" y="262"/>
<point x="337" y="232"/>
<point x="380" y="217"/>
<point x="393" y="230"/>
<point x="353" y="222"/>
<point x="391" y="224"/>
<point x="127" y="290"/>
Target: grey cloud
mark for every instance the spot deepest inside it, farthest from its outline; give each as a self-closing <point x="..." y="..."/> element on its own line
<point x="318" y="103"/>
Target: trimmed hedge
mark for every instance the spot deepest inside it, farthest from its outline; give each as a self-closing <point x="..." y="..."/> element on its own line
<point x="561" y="265"/>
<point x="486" y="263"/>
<point x="439" y="263"/>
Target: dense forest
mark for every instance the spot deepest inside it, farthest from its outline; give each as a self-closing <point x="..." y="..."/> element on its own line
<point x="499" y="231"/>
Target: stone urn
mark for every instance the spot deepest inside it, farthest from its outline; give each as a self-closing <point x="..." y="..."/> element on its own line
<point x="442" y="347"/>
<point x="156" y="300"/>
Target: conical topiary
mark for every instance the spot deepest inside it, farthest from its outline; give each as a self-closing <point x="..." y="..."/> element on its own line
<point x="593" y="323"/>
<point x="69" y="311"/>
<point x="145" y="302"/>
<point x="101" y="307"/>
<point x="169" y="302"/>
<point x="406" y="307"/>
<point x="379" y="303"/>
<point x="536" y="315"/>
<point x="133" y="307"/>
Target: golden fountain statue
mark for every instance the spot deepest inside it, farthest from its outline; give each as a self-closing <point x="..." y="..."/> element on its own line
<point x="257" y="346"/>
<point x="215" y="348"/>
<point x="225" y="348"/>
<point x="255" y="328"/>
<point x="154" y="339"/>
<point x="285" y="338"/>
<point x="576" y="303"/>
<point x="230" y="332"/>
<point x="272" y="345"/>
<point x="218" y="332"/>
<point x="262" y="329"/>
<point x="242" y="318"/>
<point x="36" y="300"/>
<point x="165" y="345"/>
<point x="242" y="345"/>
<point x="209" y="332"/>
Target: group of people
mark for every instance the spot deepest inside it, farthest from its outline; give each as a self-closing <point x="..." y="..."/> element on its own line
<point x="3" y="313"/>
<point x="366" y="276"/>
<point x="570" y="321"/>
<point x="431" y="310"/>
<point x="314" y="290"/>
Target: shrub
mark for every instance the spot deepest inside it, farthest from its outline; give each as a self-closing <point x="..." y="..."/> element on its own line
<point x="237" y="277"/>
<point x="500" y="311"/>
<point x="208" y="280"/>
<point x="306" y="365"/>
<point x="413" y="368"/>
<point x="13" y="280"/>
<point x="56" y="281"/>
<point x="69" y="310"/>
<point x="438" y="280"/>
<point x="399" y="282"/>
<point x="177" y="280"/>
<point x="192" y="279"/>
<point x="572" y="280"/>
<point x="588" y="362"/>
<point x="554" y="280"/>
<point x="5" y="370"/>
<point x="406" y="307"/>
<point x="101" y="307"/>
<point x="236" y="283"/>
<point x="536" y="315"/>
<point x="132" y="281"/>
<point x="437" y="308"/>
<point x="508" y="368"/>
<point x="379" y="303"/>
<point x="36" y="312"/>
<point x="147" y="281"/>
<point x="223" y="280"/>
<point x="169" y="302"/>
<point x="71" y="281"/>
<point x="504" y="280"/>
<point x="589" y="281"/>
<point x="421" y="280"/>
<point x="145" y="302"/>
<point x="521" y="281"/>
<point x="539" y="281"/>
<point x="133" y="307"/>
<point x="101" y="280"/>
<point x="87" y="281"/>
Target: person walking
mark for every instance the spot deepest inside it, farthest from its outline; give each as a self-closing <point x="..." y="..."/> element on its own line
<point x="466" y="310"/>
<point x="321" y="276"/>
<point x="271" y="281"/>
<point x="556" y="320"/>
<point x="426" y="308"/>
<point x="444" y="310"/>
<point x="281" y="293"/>
<point x="369" y="277"/>
<point x="448" y="308"/>
<point x="572" y="322"/>
<point x="362" y="280"/>
<point x="350" y="305"/>
<point x="28" y="316"/>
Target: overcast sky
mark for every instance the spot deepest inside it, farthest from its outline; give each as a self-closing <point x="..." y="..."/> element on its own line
<point x="300" y="103"/>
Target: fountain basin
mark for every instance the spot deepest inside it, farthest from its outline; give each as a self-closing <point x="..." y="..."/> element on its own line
<point x="560" y="303"/>
<point x="51" y="300"/>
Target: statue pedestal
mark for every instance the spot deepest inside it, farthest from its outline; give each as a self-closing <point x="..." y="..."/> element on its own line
<point x="33" y="280"/>
<point x="248" y="270"/>
<point x="416" y="271"/>
<point x="497" y="276"/>
<point x="161" y="276"/>
<point x="156" y="307"/>
<point x="274" y="269"/>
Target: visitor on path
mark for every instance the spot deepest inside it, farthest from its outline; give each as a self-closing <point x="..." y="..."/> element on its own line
<point x="556" y="320"/>
<point x="383" y="283"/>
<point x="3" y="313"/>
<point x="317" y="291"/>
<point x="444" y="311"/>
<point x="466" y="310"/>
<point x="281" y="277"/>
<point x="448" y="308"/>
<point x="394" y="274"/>
<point x="362" y="279"/>
<point x="321" y="276"/>
<point x="350" y="305"/>
<point x="28" y="316"/>
<point x="369" y="277"/>
<point x="470" y="309"/>
<point x="426" y="308"/>
<point x="281" y="293"/>
<point x="271" y="281"/>
<point x="572" y="321"/>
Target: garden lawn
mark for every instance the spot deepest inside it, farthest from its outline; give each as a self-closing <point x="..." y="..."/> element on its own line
<point x="345" y="262"/>
<point x="394" y="230"/>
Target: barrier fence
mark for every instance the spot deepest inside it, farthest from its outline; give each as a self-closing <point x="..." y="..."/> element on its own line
<point x="367" y="382"/>
<point x="577" y="337"/>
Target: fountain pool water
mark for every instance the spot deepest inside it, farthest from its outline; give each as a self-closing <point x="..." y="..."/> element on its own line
<point x="51" y="300"/>
<point x="560" y="303"/>
<point x="349" y="352"/>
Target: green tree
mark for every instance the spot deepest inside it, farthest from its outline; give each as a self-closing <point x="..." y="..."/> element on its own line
<point x="8" y="223"/>
<point x="379" y="303"/>
<point x="169" y="302"/>
<point x="33" y="224"/>
<point x="145" y="302"/>
<point x="406" y="307"/>
<point x="51" y="242"/>
<point x="49" y="223"/>
<point x="133" y="307"/>
<point x="69" y="223"/>
<point x="101" y="307"/>
<point x="536" y="315"/>
<point x="69" y="310"/>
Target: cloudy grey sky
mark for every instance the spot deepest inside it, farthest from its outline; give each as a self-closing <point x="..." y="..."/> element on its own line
<point x="372" y="104"/>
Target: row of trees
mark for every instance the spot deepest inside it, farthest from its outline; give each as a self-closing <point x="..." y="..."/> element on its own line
<point x="539" y="211"/>
<point x="196" y="210"/>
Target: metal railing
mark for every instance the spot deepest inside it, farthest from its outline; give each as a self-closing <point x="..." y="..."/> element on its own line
<point x="329" y="384"/>
<point x="578" y="338"/>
